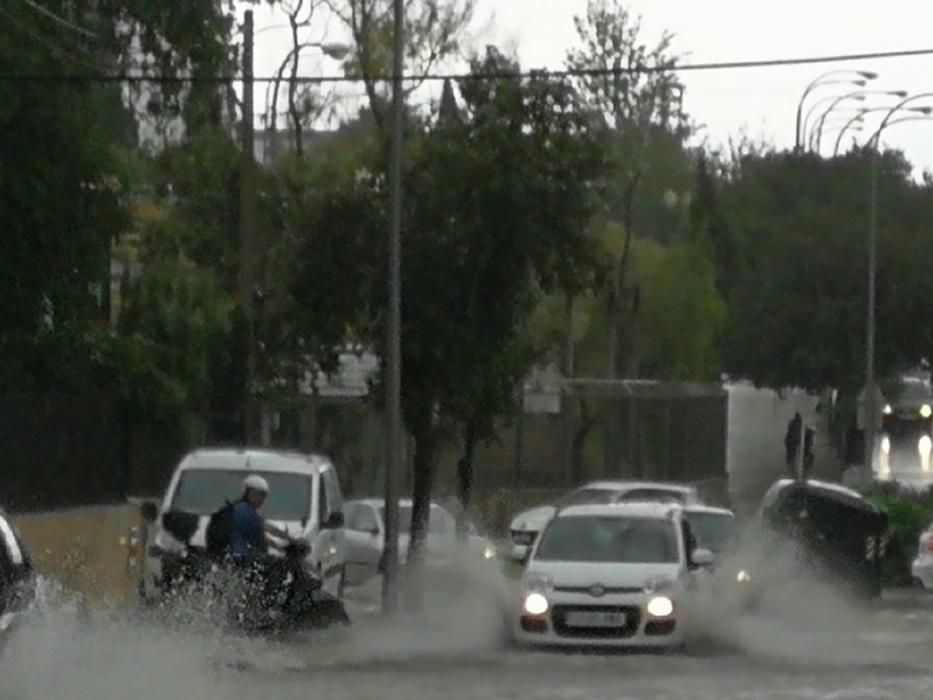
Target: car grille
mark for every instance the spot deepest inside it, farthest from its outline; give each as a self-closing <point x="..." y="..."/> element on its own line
<point x="523" y="538"/>
<point x="607" y="590"/>
<point x="632" y="621"/>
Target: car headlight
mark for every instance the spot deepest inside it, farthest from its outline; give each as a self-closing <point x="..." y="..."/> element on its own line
<point x="489" y="552"/>
<point x="743" y="576"/>
<point x="535" y="604"/>
<point x="887" y="410"/>
<point x="926" y="411"/>
<point x="539" y="583"/>
<point x="660" y="606"/>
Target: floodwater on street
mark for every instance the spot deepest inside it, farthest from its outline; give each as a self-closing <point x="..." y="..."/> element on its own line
<point x="819" y="648"/>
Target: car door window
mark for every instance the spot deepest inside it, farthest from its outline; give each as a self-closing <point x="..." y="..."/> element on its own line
<point x="367" y="520"/>
<point x="351" y="514"/>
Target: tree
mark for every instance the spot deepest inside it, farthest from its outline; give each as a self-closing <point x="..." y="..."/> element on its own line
<point x="433" y="34"/>
<point x="797" y="315"/>
<point x="636" y="90"/>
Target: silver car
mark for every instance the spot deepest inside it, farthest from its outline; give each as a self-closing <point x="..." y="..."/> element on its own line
<point x="365" y="538"/>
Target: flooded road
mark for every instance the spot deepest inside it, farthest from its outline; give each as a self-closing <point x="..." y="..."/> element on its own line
<point x="881" y="651"/>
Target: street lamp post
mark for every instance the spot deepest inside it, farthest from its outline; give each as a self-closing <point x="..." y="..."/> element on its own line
<point x="828" y="79"/>
<point x="858" y="95"/>
<point x="858" y="117"/>
<point x="390" y="596"/>
<point x="870" y="409"/>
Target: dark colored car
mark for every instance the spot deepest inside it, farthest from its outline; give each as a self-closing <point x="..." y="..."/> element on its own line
<point x="837" y="536"/>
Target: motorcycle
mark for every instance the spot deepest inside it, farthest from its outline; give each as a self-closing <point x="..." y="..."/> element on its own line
<point x="277" y="595"/>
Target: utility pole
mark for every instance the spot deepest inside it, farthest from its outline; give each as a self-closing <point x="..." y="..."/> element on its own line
<point x="390" y="595"/>
<point x="247" y="232"/>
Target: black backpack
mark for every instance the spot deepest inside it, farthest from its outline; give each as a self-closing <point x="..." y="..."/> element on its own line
<point x="220" y="530"/>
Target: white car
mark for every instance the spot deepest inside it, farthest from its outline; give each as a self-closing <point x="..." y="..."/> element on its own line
<point x="365" y="532"/>
<point x="922" y="568"/>
<point x="608" y="575"/>
<point x="525" y="526"/>
<point x="304" y="499"/>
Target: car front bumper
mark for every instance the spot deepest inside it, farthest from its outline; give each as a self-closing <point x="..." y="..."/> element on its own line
<point x="641" y="630"/>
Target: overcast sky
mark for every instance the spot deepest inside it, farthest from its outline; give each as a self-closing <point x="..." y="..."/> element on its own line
<point x="760" y="101"/>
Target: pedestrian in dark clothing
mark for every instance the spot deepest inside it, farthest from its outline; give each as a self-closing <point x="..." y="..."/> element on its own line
<point x="792" y="441"/>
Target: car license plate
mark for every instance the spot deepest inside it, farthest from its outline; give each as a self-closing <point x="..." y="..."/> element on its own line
<point x="595" y="619"/>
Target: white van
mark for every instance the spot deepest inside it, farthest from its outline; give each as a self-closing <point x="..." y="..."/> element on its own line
<point x="304" y="499"/>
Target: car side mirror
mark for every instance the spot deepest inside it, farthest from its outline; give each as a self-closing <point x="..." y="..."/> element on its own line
<point x="335" y="521"/>
<point x="149" y="512"/>
<point x="703" y="557"/>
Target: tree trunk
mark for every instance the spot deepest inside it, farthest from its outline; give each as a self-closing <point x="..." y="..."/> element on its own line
<point x="465" y="480"/>
<point x="425" y="452"/>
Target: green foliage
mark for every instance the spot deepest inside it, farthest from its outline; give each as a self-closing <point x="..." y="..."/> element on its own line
<point x="175" y="319"/>
<point x="800" y="224"/>
<point x="909" y="514"/>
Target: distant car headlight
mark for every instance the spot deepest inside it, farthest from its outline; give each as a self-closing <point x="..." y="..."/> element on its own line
<point x="926" y="411"/>
<point x="536" y="604"/>
<point x="887" y="410"/>
<point x="660" y="606"/>
<point x="743" y="576"/>
<point x="925" y="445"/>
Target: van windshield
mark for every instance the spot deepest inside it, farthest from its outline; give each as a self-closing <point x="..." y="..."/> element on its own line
<point x="203" y="491"/>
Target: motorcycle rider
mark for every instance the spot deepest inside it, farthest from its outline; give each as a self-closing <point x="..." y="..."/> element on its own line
<point x="249" y="548"/>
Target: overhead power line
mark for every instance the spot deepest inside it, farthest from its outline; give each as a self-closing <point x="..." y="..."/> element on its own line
<point x="12" y="76"/>
<point x="68" y="24"/>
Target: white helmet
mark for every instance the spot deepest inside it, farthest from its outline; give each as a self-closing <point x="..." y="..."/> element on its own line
<point x="254" y="482"/>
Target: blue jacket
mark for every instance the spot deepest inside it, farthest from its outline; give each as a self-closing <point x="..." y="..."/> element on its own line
<point x="248" y="538"/>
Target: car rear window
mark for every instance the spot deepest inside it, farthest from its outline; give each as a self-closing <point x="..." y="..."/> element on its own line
<point x="202" y="491"/>
<point x="586" y="496"/>
<point x="605" y="539"/>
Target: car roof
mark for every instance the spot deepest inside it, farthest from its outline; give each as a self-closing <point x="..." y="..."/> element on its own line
<point x="630" y="485"/>
<point x="711" y="510"/>
<point x="782" y="484"/>
<point x="254" y="460"/>
<point x="629" y="509"/>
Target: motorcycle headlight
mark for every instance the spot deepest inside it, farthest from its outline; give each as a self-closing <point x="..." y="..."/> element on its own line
<point x="535" y="604"/>
<point x="489" y="552"/>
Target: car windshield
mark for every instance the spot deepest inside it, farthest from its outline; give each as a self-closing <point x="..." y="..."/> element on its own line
<point x="586" y="495"/>
<point x="441" y="522"/>
<point x="203" y="491"/>
<point x="915" y="391"/>
<point x="712" y="530"/>
<point x="610" y="539"/>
